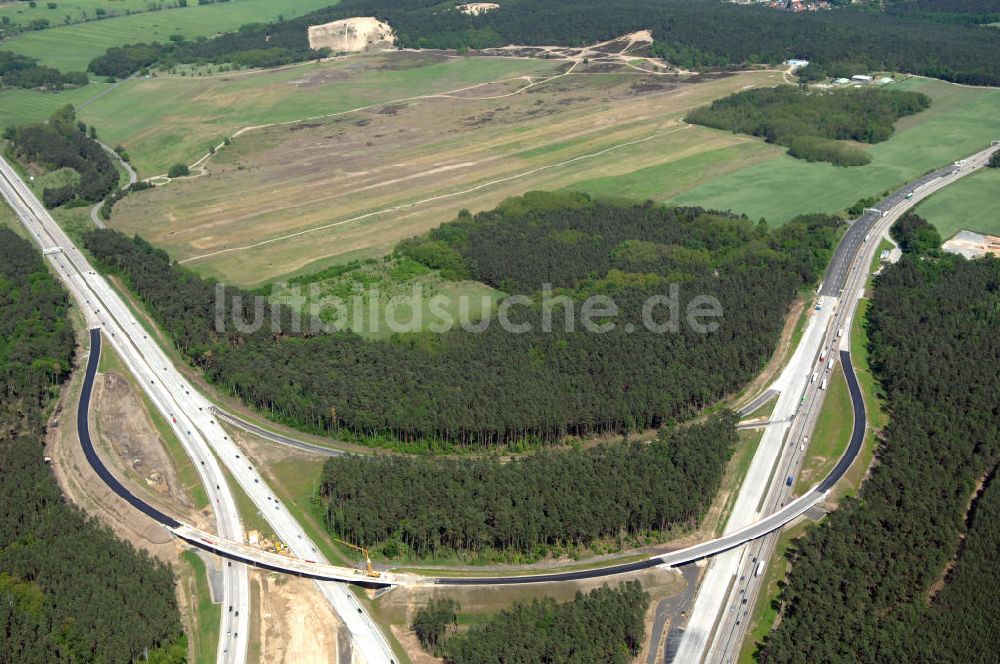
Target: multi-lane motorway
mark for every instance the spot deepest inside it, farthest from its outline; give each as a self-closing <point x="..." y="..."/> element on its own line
<point x="718" y="621"/>
<point x="192" y="419"/>
<point x="91" y="293"/>
<point x="762" y="507"/>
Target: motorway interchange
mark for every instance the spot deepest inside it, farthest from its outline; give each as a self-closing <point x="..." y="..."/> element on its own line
<point x="763" y="505"/>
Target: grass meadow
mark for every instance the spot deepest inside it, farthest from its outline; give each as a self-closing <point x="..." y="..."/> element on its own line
<point x="170" y="119"/>
<point x="960" y="121"/>
<point x="72" y="47"/>
<point x="972" y="203"/>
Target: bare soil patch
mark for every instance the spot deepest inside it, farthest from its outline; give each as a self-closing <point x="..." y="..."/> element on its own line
<point x="351" y="34"/>
<point x="297" y="625"/>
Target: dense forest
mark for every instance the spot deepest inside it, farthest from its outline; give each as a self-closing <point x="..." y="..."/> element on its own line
<point x="906" y="572"/>
<point x="915" y="235"/>
<point x="690" y="33"/>
<point x="496" y="387"/>
<point x="605" y="626"/>
<point x="813" y="124"/>
<point x="418" y="506"/>
<point x="20" y="71"/>
<point x="70" y="591"/>
<point x="62" y="142"/>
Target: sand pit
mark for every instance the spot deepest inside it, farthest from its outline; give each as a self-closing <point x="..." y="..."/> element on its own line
<point x="477" y="8"/>
<point x="972" y="245"/>
<point x="351" y="34"/>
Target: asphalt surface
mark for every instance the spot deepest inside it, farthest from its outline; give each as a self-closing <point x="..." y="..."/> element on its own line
<point x="202" y="437"/>
<point x="861" y="242"/>
<point x="95" y="212"/>
<point x="838" y="270"/>
<point x="757" y="402"/>
<point x="857" y="432"/>
<point x="260" y="432"/>
<point x="83" y="430"/>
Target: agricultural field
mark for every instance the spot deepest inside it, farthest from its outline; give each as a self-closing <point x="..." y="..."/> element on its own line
<point x="72" y="47"/>
<point x="19" y="106"/>
<point x="296" y="198"/>
<point x="960" y="121"/>
<point x="76" y="11"/>
<point x="972" y="203"/>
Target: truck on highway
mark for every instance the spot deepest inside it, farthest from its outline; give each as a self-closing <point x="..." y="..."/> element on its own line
<point x="760" y="568"/>
<point x="822" y="385"/>
<point x="840" y="332"/>
<point x="829" y="365"/>
<point x="822" y="355"/>
<point x="909" y="196"/>
<point x="814" y="377"/>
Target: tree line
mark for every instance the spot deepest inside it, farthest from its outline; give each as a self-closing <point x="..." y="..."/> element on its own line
<point x="694" y="33"/>
<point x="70" y="591"/>
<point x="812" y="124"/>
<point x="20" y="71"/>
<point x="689" y="33"/>
<point x="604" y="626"/>
<point x="906" y="572"/>
<point x="415" y="506"/>
<point x="498" y="388"/>
<point x="62" y="142"/>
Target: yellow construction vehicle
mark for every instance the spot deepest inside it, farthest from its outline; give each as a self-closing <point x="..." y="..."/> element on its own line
<point x="370" y="571"/>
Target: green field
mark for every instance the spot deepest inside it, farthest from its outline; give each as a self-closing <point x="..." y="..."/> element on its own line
<point x="24" y="106"/>
<point x="960" y="121"/>
<point x="72" y="47"/>
<point x="831" y="435"/>
<point x="778" y="187"/>
<point x="208" y="616"/>
<point x="972" y="203"/>
<point x="380" y="297"/>
<point x="75" y="11"/>
<point x="172" y="119"/>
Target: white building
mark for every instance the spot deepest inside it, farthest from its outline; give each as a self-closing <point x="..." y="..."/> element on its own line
<point x="796" y="64"/>
<point x="861" y="77"/>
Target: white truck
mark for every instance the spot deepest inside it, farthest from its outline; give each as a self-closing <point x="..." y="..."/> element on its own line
<point x="822" y="355"/>
<point x="760" y="568"/>
<point x="829" y="365"/>
<point x="814" y="377"/>
<point x="840" y="332"/>
<point x="822" y="385"/>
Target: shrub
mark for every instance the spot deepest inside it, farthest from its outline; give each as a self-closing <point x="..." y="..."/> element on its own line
<point x="178" y="171"/>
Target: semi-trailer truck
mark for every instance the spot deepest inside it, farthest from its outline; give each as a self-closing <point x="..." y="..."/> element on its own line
<point x="814" y="377"/>
<point x="822" y="385"/>
<point x="760" y="568"/>
<point x="829" y="365"/>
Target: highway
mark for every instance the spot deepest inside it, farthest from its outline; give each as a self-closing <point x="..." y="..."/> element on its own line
<point x="719" y="620"/>
<point x="195" y="425"/>
<point x="195" y="422"/>
<point x="749" y="521"/>
<point x="84" y="286"/>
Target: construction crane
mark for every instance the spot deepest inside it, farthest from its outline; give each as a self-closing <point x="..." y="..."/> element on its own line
<point x="370" y="570"/>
